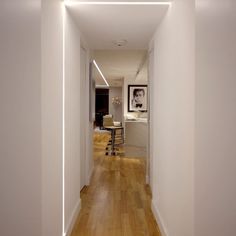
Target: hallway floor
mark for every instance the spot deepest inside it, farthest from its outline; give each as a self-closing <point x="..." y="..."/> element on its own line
<point x="117" y="202"/>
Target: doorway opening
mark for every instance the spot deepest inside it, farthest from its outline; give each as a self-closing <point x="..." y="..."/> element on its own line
<point x="118" y="38"/>
<point x="101" y="106"/>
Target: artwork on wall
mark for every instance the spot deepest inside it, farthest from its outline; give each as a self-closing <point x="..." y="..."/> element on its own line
<point x="137" y="98"/>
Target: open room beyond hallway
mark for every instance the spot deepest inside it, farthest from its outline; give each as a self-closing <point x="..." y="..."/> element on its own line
<point x="117" y="201"/>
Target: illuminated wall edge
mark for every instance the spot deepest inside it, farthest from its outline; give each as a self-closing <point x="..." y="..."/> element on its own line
<point x="75" y="2"/>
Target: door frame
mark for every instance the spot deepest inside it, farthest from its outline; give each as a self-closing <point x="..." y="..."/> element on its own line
<point x="88" y="165"/>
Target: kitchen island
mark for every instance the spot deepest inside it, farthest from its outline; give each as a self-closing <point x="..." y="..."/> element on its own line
<point x="136" y="132"/>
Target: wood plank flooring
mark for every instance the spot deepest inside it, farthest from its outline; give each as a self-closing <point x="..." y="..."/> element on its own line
<point x="117" y="202"/>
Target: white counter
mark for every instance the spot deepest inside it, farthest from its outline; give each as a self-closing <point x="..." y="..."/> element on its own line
<point x="137" y="120"/>
<point x="136" y="132"/>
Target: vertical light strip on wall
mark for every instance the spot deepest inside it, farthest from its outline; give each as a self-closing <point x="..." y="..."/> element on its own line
<point x="63" y="119"/>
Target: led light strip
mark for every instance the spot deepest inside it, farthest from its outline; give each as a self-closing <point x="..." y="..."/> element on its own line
<point x="71" y="2"/>
<point x="63" y="120"/>
<point x="94" y="62"/>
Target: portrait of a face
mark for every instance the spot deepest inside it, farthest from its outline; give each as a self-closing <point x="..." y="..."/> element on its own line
<point x="137" y="98"/>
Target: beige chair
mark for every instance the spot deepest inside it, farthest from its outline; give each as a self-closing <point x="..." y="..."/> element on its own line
<point x="108" y="121"/>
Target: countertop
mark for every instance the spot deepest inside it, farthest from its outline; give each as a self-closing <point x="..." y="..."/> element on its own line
<point x="143" y="120"/>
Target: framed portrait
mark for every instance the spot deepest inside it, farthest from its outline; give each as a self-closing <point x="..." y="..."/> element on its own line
<point x="137" y="98"/>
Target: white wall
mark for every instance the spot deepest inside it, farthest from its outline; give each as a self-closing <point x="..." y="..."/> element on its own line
<point x="89" y="126"/>
<point x="52" y="75"/>
<point x="83" y="117"/>
<point x="215" y="164"/>
<point x="173" y="120"/>
<point x="72" y="121"/>
<point x="52" y="100"/>
<point x="86" y="132"/>
<point x="85" y="103"/>
<point x="31" y="118"/>
<point x="20" y="116"/>
<point x="116" y="110"/>
<point x="149" y="166"/>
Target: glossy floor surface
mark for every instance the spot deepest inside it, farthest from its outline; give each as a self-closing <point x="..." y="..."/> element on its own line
<point x="117" y="202"/>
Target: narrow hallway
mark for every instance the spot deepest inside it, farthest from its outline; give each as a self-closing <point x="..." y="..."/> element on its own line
<point x="117" y="202"/>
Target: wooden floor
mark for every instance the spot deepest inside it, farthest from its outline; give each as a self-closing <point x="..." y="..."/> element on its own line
<point x="117" y="202"/>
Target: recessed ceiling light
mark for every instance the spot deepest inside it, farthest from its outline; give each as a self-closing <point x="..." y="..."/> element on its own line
<point x="120" y="42"/>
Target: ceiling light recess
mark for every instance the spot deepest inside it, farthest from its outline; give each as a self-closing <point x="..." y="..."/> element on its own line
<point x="120" y="42"/>
<point x="100" y="72"/>
<point x="73" y="2"/>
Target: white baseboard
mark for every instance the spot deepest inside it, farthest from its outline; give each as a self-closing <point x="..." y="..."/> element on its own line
<point x="74" y="215"/>
<point x="147" y="179"/>
<point x="89" y="177"/>
<point x="159" y="220"/>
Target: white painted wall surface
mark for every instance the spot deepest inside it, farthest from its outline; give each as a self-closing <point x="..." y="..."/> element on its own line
<point x="149" y="168"/>
<point x="20" y="118"/>
<point x="215" y="164"/>
<point x="173" y="120"/>
<point x="52" y="73"/>
<point x="85" y="103"/>
<point x="72" y="121"/>
<point x="83" y="117"/>
<point x="89" y="124"/>
<point x="86" y="123"/>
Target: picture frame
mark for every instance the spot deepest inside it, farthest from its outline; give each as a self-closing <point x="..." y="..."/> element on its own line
<point x="137" y="98"/>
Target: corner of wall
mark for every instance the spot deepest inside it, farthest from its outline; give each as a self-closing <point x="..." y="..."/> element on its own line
<point x="73" y="217"/>
<point x="89" y="175"/>
<point x="159" y="219"/>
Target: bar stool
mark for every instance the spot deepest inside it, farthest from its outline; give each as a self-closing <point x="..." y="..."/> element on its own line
<point x="117" y="134"/>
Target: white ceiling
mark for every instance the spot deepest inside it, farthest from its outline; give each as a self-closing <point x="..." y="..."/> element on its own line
<point x="117" y="65"/>
<point x="102" y="24"/>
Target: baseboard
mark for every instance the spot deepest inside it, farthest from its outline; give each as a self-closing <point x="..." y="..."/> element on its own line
<point x="74" y="215"/>
<point x="147" y="179"/>
<point x="89" y="177"/>
<point x="159" y="220"/>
